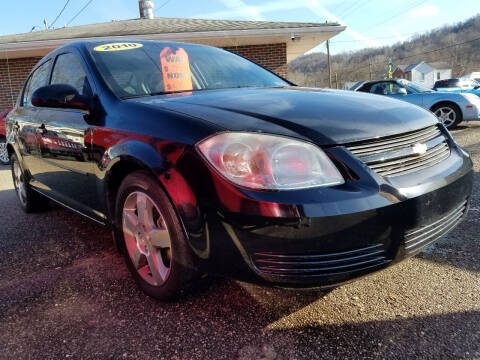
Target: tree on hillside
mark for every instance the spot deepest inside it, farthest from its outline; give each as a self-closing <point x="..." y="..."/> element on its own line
<point x="457" y="45"/>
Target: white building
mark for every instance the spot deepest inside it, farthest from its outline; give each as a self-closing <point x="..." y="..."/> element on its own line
<point x="423" y="73"/>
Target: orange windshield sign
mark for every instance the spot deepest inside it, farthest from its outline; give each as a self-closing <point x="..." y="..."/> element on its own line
<point x="176" y="70"/>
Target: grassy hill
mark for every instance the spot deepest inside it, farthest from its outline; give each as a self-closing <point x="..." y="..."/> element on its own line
<point x="451" y="45"/>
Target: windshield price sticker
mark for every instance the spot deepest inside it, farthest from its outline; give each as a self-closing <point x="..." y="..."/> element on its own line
<point x="176" y="70"/>
<point x="117" y="46"/>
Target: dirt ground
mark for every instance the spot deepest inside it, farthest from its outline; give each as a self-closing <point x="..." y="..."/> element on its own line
<point x="66" y="293"/>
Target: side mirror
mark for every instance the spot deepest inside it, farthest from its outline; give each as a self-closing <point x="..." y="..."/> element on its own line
<point x="402" y="91"/>
<point x="60" y="96"/>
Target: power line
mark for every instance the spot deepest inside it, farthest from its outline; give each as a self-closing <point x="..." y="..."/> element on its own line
<point x="426" y="52"/>
<point x="161" y="6"/>
<point x="59" y="14"/>
<point x="376" y="38"/>
<point x="354" y="8"/>
<point x="81" y="10"/>
<point x="417" y="4"/>
<point x="346" y="9"/>
<point x="419" y="33"/>
<point x="334" y="10"/>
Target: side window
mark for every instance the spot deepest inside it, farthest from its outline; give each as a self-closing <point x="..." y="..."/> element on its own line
<point x="69" y="70"/>
<point x="385" y="88"/>
<point x="26" y="91"/>
<point x="393" y="88"/>
<point x="378" y="88"/>
<point x="38" y="79"/>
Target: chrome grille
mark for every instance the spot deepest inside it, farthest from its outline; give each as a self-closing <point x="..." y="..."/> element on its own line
<point x="320" y="264"/>
<point x="421" y="237"/>
<point x="403" y="154"/>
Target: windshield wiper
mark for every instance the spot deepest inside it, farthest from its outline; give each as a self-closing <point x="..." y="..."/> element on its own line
<point x="133" y="96"/>
<point x="169" y="92"/>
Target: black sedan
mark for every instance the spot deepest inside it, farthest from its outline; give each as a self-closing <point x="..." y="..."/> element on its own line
<point x="203" y="162"/>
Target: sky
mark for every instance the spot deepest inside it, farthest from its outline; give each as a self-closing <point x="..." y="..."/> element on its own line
<point x="370" y="23"/>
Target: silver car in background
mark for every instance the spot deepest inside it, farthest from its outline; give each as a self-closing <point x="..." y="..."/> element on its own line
<point x="450" y="108"/>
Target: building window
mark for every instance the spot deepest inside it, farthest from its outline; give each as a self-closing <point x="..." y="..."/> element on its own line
<point x="438" y="75"/>
<point x="423" y="77"/>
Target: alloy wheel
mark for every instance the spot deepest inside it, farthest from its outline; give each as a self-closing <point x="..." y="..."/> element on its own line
<point x="19" y="183"/>
<point x="147" y="238"/>
<point x="446" y="115"/>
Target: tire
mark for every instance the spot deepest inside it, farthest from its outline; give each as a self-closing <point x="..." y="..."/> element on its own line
<point x="4" y="159"/>
<point x="30" y="200"/>
<point x="448" y="114"/>
<point x="153" y="242"/>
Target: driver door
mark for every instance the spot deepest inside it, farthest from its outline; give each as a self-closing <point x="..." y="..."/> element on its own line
<point x="67" y="166"/>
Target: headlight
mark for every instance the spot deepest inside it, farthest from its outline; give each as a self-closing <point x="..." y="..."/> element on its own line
<point x="268" y="162"/>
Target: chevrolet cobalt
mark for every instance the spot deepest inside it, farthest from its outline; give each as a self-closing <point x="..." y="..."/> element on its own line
<point x="203" y="162"/>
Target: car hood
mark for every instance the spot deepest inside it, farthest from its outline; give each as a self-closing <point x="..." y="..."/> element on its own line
<point x="326" y="117"/>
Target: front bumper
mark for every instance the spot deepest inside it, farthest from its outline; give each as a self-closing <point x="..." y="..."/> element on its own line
<point x="472" y="111"/>
<point x="344" y="232"/>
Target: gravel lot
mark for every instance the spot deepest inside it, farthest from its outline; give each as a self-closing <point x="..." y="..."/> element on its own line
<point x="65" y="293"/>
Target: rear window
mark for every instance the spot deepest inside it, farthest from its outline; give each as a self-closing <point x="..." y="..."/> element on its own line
<point x="150" y="68"/>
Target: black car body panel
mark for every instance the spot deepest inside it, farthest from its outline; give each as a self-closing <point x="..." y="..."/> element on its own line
<point x="300" y="238"/>
<point x="325" y="117"/>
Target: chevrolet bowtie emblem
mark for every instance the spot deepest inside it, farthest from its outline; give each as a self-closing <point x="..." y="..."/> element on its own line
<point x="419" y="149"/>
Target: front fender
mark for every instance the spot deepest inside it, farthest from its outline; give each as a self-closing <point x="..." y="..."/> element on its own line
<point x="457" y="99"/>
<point x="160" y="158"/>
<point x="136" y="151"/>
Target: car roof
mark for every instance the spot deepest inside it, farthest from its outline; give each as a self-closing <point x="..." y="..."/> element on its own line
<point x="378" y="81"/>
<point x="83" y="44"/>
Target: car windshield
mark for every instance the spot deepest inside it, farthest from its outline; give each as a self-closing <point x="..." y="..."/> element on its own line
<point x="151" y="68"/>
<point x="414" y="86"/>
<point x="449" y="83"/>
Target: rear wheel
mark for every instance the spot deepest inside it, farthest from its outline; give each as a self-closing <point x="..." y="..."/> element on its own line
<point x="448" y="114"/>
<point x="154" y="245"/>
<point x="30" y="200"/>
<point x="4" y="159"/>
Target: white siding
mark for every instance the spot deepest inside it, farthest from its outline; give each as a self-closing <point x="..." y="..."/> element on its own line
<point x="444" y="74"/>
<point x="422" y="79"/>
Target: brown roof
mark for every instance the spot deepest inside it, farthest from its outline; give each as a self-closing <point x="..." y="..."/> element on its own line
<point x="153" y="26"/>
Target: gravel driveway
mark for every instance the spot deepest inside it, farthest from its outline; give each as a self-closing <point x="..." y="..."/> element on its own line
<point x="66" y="293"/>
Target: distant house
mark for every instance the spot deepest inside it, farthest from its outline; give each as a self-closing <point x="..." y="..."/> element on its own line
<point x="399" y="72"/>
<point x="423" y="73"/>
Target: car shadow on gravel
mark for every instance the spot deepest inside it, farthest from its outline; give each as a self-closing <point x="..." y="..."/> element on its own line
<point x="451" y="335"/>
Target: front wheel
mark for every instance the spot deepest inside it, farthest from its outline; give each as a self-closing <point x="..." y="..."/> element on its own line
<point x="155" y="247"/>
<point x="448" y="114"/>
<point x="4" y="159"/>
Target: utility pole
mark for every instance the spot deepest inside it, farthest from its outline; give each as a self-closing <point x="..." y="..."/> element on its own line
<point x="336" y="80"/>
<point x="370" y="67"/>
<point x="329" y="65"/>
